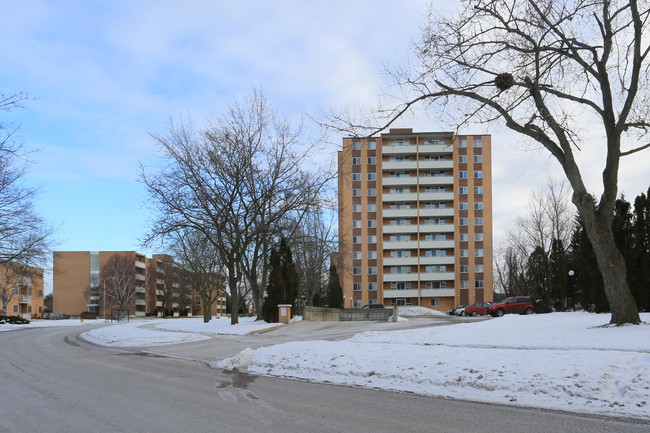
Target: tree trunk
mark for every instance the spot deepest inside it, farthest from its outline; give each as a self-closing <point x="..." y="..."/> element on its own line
<point x="612" y="267"/>
<point x="206" y="305"/>
<point x="234" y="300"/>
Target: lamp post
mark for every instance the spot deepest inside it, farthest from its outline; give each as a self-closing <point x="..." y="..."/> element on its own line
<point x="104" y="307"/>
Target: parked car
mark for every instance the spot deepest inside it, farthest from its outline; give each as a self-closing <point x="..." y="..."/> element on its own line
<point x="515" y="304"/>
<point x="476" y="308"/>
<point x="366" y="307"/>
<point x="460" y="311"/>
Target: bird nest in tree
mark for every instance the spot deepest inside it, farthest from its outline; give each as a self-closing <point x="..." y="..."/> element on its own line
<point x="504" y="81"/>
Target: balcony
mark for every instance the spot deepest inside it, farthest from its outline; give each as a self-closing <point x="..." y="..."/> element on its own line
<point x="436" y="228"/>
<point x="159" y="293"/>
<point x="400" y="261"/>
<point x="139" y="264"/>
<point x="94" y="298"/>
<point x="399" y="213"/>
<point x="407" y="228"/>
<point x="140" y="302"/>
<point x="436" y="196"/>
<point x="436" y="276"/>
<point x="140" y="289"/>
<point x="436" y="148"/>
<point x="397" y="278"/>
<point x="436" y="180"/>
<point x="400" y="197"/>
<point x="24" y="299"/>
<point x="399" y="150"/>
<point x="439" y="212"/>
<point x="438" y="293"/>
<point x="175" y="305"/>
<point x="436" y="165"/>
<point x="399" y="181"/>
<point x="159" y="304"/>
<point x="399" y="165"/>
<point x="444" y="260"/>
<point x="403" y="245"/>
<point x="159" y="281"/>
<point x="140" y="277"/>
<point x="409" y="293"/>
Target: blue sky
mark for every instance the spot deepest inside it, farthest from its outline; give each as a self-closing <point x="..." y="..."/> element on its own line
<point x="105" y="74"/>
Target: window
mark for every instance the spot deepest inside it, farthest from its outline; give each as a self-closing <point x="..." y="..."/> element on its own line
<point x="434" y="221"/>
<point x="463" y="237"/>
<point x="356" y="287"/>
<point x="399" y="158"/>
<point x="15" y="308"/>
<point x="372" y="270"/>
<point x="372" y="239"/>
<point x="462" y="174"/>
<point x="478" y="221"/>
<point x="478" y="284"/>
<point x="462" y="159"/>
<point x="434" y="205"/>
<point x="372" y="176"/>
<point x="372" y="224"/>
<point x="400" y="286"/>
<point x="400" y="238"/>
<point x="356" y="208"/>
<point x="478" y="269"/>
<point x="356" y="192"/>
<point x="463" y="252"/>
<point x="356" y="176"/>
<point x="464" y="269"/>
<point x="356" y="271"/>
<point x="372" y="208"/>
<point x="400" y="205"/>
<point x="478" y="237"/>
<point x="434" y="189"/>
<point x="478" y="142"/>
<point x="372" y="145"/>
<point x="372" y="287"/>
<point x="478" y="205"/>
<point x="433" y="141"/>
<point x="464" y="284"/>
<point x="398" y="174"/>
<point x="462" y="205"/>
<point x="436" y="285"/>
<point x="478" y="190"/>
<point x="372" y="255"/>
<point x="400" y="190"/>
<point x="434" y="173"/>
<point x="462" y="143"/>
<point x="356" y="161"/>
<point x="372" y="160"/>
<point x="356" y="255"/>
<point x="434" y="157"/>
<point x="372" y="192"/>
<point x="478" y="159"/>
<point x="478" y="174"/>
<point x="478" y="252"/>
<point x="435" y="302"/>
<point x="356" y="145"/>
<point x="356" y="239"/>
<point x="357" y="303"/>
<point x="356" y="224"/>
<point x="398" y="142"/>
<point x="462" y="190"/>
<point x="396" y="254"/>
<point x="463" y="221"/>
<point x="400" y="222"/>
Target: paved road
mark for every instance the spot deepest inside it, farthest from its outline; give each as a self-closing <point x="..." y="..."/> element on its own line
<point x="51" y="380"/>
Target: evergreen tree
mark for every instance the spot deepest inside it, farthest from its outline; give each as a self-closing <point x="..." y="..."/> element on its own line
<point x="639" y="260"/>
<point x="334" y="290"/>
<point x="537" y="277"/>
<point x="559" y="273"/>
<point x="588" y="278"/>
<point x="283" y="282"/>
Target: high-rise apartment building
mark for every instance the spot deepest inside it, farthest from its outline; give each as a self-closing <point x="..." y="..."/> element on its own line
<point x="415" y="219"/>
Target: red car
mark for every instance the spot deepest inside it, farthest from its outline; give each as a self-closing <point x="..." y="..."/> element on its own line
<point x="476" y="308"/>
<point x="515" y="304"/>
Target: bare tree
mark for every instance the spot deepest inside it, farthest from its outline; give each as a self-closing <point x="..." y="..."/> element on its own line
<point x="165" y="276"/>
<point x="201" y="268"/>
<point x="25" y="238"/>
<point x="237" y="183"/>
<point x="118" y="279"/>
<point x="545" y="69"/>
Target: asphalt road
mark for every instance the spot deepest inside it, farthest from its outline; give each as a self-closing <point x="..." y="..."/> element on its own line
<point x="51" y="380"/>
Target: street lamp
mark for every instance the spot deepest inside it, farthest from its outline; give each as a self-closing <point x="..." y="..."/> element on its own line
<point x="104" y="307"/>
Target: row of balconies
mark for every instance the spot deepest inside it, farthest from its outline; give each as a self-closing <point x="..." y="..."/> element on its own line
<point x="414" y="293"/>
<point x="412" y="149"/>
<point x="418" y="180"/>
<point x="446" y="164"/>
<point x="418" y="228"/>
<point x="413" y="245"/>
<point x="415" y="260"/>
<point x="422" y="276"/>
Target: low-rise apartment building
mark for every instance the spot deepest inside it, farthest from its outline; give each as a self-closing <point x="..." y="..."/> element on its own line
<point x="21" y="288"/>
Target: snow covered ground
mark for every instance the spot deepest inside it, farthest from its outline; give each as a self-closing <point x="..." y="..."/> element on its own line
<point x="563" y="361"/>
<point x="566" y="361"/>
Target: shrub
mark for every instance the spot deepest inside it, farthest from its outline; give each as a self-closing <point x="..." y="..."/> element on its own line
<point x="88" y="315"/>
<point x="13" y="320"/>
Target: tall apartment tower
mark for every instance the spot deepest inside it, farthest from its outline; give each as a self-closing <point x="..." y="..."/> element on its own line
<point x="415" y="219"/>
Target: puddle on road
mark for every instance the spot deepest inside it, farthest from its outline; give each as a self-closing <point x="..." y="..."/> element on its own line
<point x="238" y="380"/>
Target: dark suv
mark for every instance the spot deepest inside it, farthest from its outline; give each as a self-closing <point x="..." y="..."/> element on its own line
<point x="516" y="304"/>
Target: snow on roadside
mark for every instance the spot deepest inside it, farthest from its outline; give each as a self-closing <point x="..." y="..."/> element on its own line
<point x="560" y="361"/>
<point x="217" y="326"/>
<point x="40" y="323"/>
